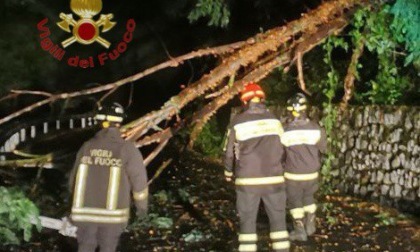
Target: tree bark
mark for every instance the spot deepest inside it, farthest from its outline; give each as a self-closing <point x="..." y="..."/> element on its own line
<point x="352" y="73"/>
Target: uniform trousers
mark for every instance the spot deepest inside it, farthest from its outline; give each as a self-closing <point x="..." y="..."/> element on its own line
<point x="90" y="236"/>
<point x="300" y="196"/>
<point x="247" y="205"/>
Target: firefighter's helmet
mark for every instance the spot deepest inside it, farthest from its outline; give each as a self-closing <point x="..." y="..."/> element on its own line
<point x="297" y="104"/>
<point x="112" y="113"/>
<point x="250" y="91"/>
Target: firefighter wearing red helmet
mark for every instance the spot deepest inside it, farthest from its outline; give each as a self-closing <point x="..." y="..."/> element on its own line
<point x="106" y="172"/>
<point x="303" y="140"/>
<point x="253" y="154"/>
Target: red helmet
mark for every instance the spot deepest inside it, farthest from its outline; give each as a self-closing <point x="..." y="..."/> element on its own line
<point x="250" y="91"/>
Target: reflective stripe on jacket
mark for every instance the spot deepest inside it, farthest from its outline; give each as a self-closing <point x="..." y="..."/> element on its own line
<point x="303" y="140"/>
<point x="253" y="148"/>
<point x="106" y="171"/>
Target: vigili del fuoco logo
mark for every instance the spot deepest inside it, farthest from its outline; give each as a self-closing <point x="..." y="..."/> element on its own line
<point x="85" y="30"/>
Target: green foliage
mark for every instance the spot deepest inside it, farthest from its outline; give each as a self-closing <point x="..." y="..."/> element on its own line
<point x="195" y="236"/>
<point x="16" y="212"/>
<point x="406" y="28"/>
<point x="330" y="86"/>
<point x="161" y="197"/>
<point x="216" y="10"/>
<point x="153" y="220"/>
<point x="388" y="87"/>
<point x="209" y="142"/>
<point x="373" y="27"/>
<point x="278" y="86"/>
<point x="330" y="213"/>
<point x="388" y="217"/>
<point x="386" y="84"/>
<point x="385" y="219"/>
<point x="381" y="75"/>
<point x="157" y="217"/>
<point x="186" y="197"/>
<point x="160" y="222"/>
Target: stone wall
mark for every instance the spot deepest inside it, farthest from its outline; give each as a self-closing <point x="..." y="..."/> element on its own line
<point x="378" y="154"/>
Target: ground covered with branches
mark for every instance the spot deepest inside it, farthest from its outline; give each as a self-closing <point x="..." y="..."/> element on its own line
<point x="192" y="208"/>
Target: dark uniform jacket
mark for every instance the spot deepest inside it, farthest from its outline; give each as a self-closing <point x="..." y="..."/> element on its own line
<point x="303" y="140"/>
<point x="107" y="168"/>
<point x="254" y="149"/>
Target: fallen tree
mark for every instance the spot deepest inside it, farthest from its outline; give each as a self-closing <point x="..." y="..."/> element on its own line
<point x="244" y="61"/>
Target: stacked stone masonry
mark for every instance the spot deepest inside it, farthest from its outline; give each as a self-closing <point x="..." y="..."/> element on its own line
<point x="377" y="153"/>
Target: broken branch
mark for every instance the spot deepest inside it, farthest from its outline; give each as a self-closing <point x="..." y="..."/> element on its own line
<point x="352" y="73"/>
<point x="170" y="63"/>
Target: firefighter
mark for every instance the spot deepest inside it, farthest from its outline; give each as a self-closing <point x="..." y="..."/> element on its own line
<point x="253" y="154"/>
<point x="303" y="140"/>
<point x="107" y="169"/>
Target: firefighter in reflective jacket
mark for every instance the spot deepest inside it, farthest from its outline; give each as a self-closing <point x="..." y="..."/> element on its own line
<point x="107" y="169"/>
<point x="303" y="141"/>
<point x="254" y="149"/>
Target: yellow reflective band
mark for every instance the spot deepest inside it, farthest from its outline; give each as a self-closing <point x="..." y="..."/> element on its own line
<point x="297" y="137"/>
<point x="281" y="245"/>
<point x="98" y="219"/>
<point x="247" y="95"/>
<point x="226" y="140"/>
<point x="259" y="92"/>
<point x="297" y="213"/>
<point x="299" y="108"/>
<point x="142" y="195"/>
<point x="79" y="192"/>
<point x="247" y="237"/>
<point x="279" y="235"/>
<point x="258" y="128"/>
<point x="100" y="211"/>
<point x="247" y="247"/>
<point x="301" y="177"/>
<point x="114" y="118"/>
<point x="228" y="173"/>
<point x="108" y="118"/>
<point x="100" y="117"/>
<point x="252" y="94"/>
<point x="260" y="181"/>
<point x="113" y="187"/>
<point x="310" y="208"/>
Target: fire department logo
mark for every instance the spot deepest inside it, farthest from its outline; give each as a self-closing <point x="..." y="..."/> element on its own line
<point x="86" y="30"/>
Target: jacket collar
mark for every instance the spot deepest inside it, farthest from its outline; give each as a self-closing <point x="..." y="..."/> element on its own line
<point x="256" y="107"/>
<point x="112" y="133"/>
<point x="301" y="120"/>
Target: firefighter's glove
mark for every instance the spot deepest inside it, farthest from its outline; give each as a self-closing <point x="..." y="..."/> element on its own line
<point x="228" y="175"/>
<point x="141" y="213"/>
<point x="141" y="207"/>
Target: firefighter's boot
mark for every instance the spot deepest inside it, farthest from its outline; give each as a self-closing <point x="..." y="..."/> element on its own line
<point x="310" y="224"/>
<point x="298" y="233"/>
